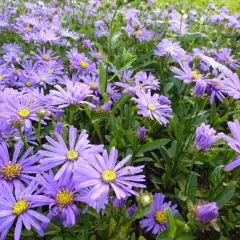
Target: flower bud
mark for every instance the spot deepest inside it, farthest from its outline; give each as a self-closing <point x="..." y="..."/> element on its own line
<point x="107" y="106"/>
<point x="141" y="133"/>
<point x="41" y="113"/>
<point x="207" y="213"/>
<point x="145" y="199"/>
<point x="59" y="128"/>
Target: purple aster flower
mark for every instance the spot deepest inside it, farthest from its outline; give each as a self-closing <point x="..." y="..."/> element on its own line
<point x="53" y="67"/>
<point x="215" y="89"/>
<point x="150" y="106"/>
<point x="57" y="153"/>
<point x="17" y="172"/>
<point x="60" y="196"/>
<point x="96" y="54"/>
<point x="98" y="204"/>
<point x="44" y="55"/>
<point x="166" y="47"/>
<point x="185" y="73"/>
<point x="16" y="208"/>
<point x="233" y="143"/>
<point x="156" y="221"/>
<point x="207" y="213"/>
<point x="23" y="107"/>
<point x="43" y="77"/>
<point x="11" y="47"/>
<point x="224" y="56"/>
<point x="141" y="34"/>
<point x="141" y="133"/>
<point x="80" y="62"/>
<point x="231" y="85"/>
<point x="205" y="137"/>
<point x="74" y="94"/>
<point x="93" y="82"/>
<point x="112" y="92"/>
<point x="146" y="81"/>
<point x="102" y="172"/>
<point x="49" y="35"/>
<point x="127" y="82"/>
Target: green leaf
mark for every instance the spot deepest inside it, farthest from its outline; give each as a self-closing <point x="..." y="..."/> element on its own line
<point x="224" y="197"/>
<point x="172" y="227"/>
<point x="151" y="146"/>
<point x="192" y="187"/>
<point x="168" y="87"/>
<point x="102" y="80"/>
<point x="142" y="238"/>
<point x="193" y="36"/>
<point x="216" y="175"/>
<point x="142" y="212"/>
<point x="112" y="226"/>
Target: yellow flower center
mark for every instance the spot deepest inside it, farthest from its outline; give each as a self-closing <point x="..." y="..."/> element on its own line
<point x="50" y="71"/>
<point x="93" y="86"/>
<point x="83" y="64"/>
<point x="98" y="54"/>
<point x="128" y="80"/>
<point x="28" y="84"/>
<point x="160" y="217"/>
<point x="16" y="72"/>
<point x="44" y="79"/>
<point x="196" y="75"/>
<point x="11" y="49"/>
<point x="183" y="59"/>
<point x="109" y="176"/>
<point x="23" y="113"/>
<point x="151" y="107"/>
<point x="11" y="171"/>
<point x="46" y="57"/>
<point x="1" y="78"/>
<point x="72" y="155"/>
<point x="20" y="207"/>
<point x="64" y="198"/>
<point x="138" y="32"/>
<point x="28" y="29"/>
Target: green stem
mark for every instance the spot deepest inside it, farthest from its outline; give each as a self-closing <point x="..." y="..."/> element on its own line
<point x="39" y="132"/>
<point x="23" y="138"/>
<point x="189" y="172"/>
<point x="71" y="115"/>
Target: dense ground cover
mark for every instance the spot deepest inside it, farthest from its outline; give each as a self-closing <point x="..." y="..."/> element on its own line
<point x="119" y="120"/>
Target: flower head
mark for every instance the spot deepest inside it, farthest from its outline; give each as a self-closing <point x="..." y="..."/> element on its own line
<point x="61" y="197"/>
<point x="17" y="208"/>
<point x="156" y="221"/>
<point x="102" y="172"/>
<point x="150" y="106"/>
<point x="57" y="153"/>
<point x="18" y="172"/>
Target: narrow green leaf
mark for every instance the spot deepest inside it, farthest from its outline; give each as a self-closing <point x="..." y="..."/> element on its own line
<point x="216" y="175"/>
<point x="152" y="145"/>
<point x="192" y="187"/>
<point x="102" y="80"/>
<point x="172" y="227"/>
<point x="225" y="196"/>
